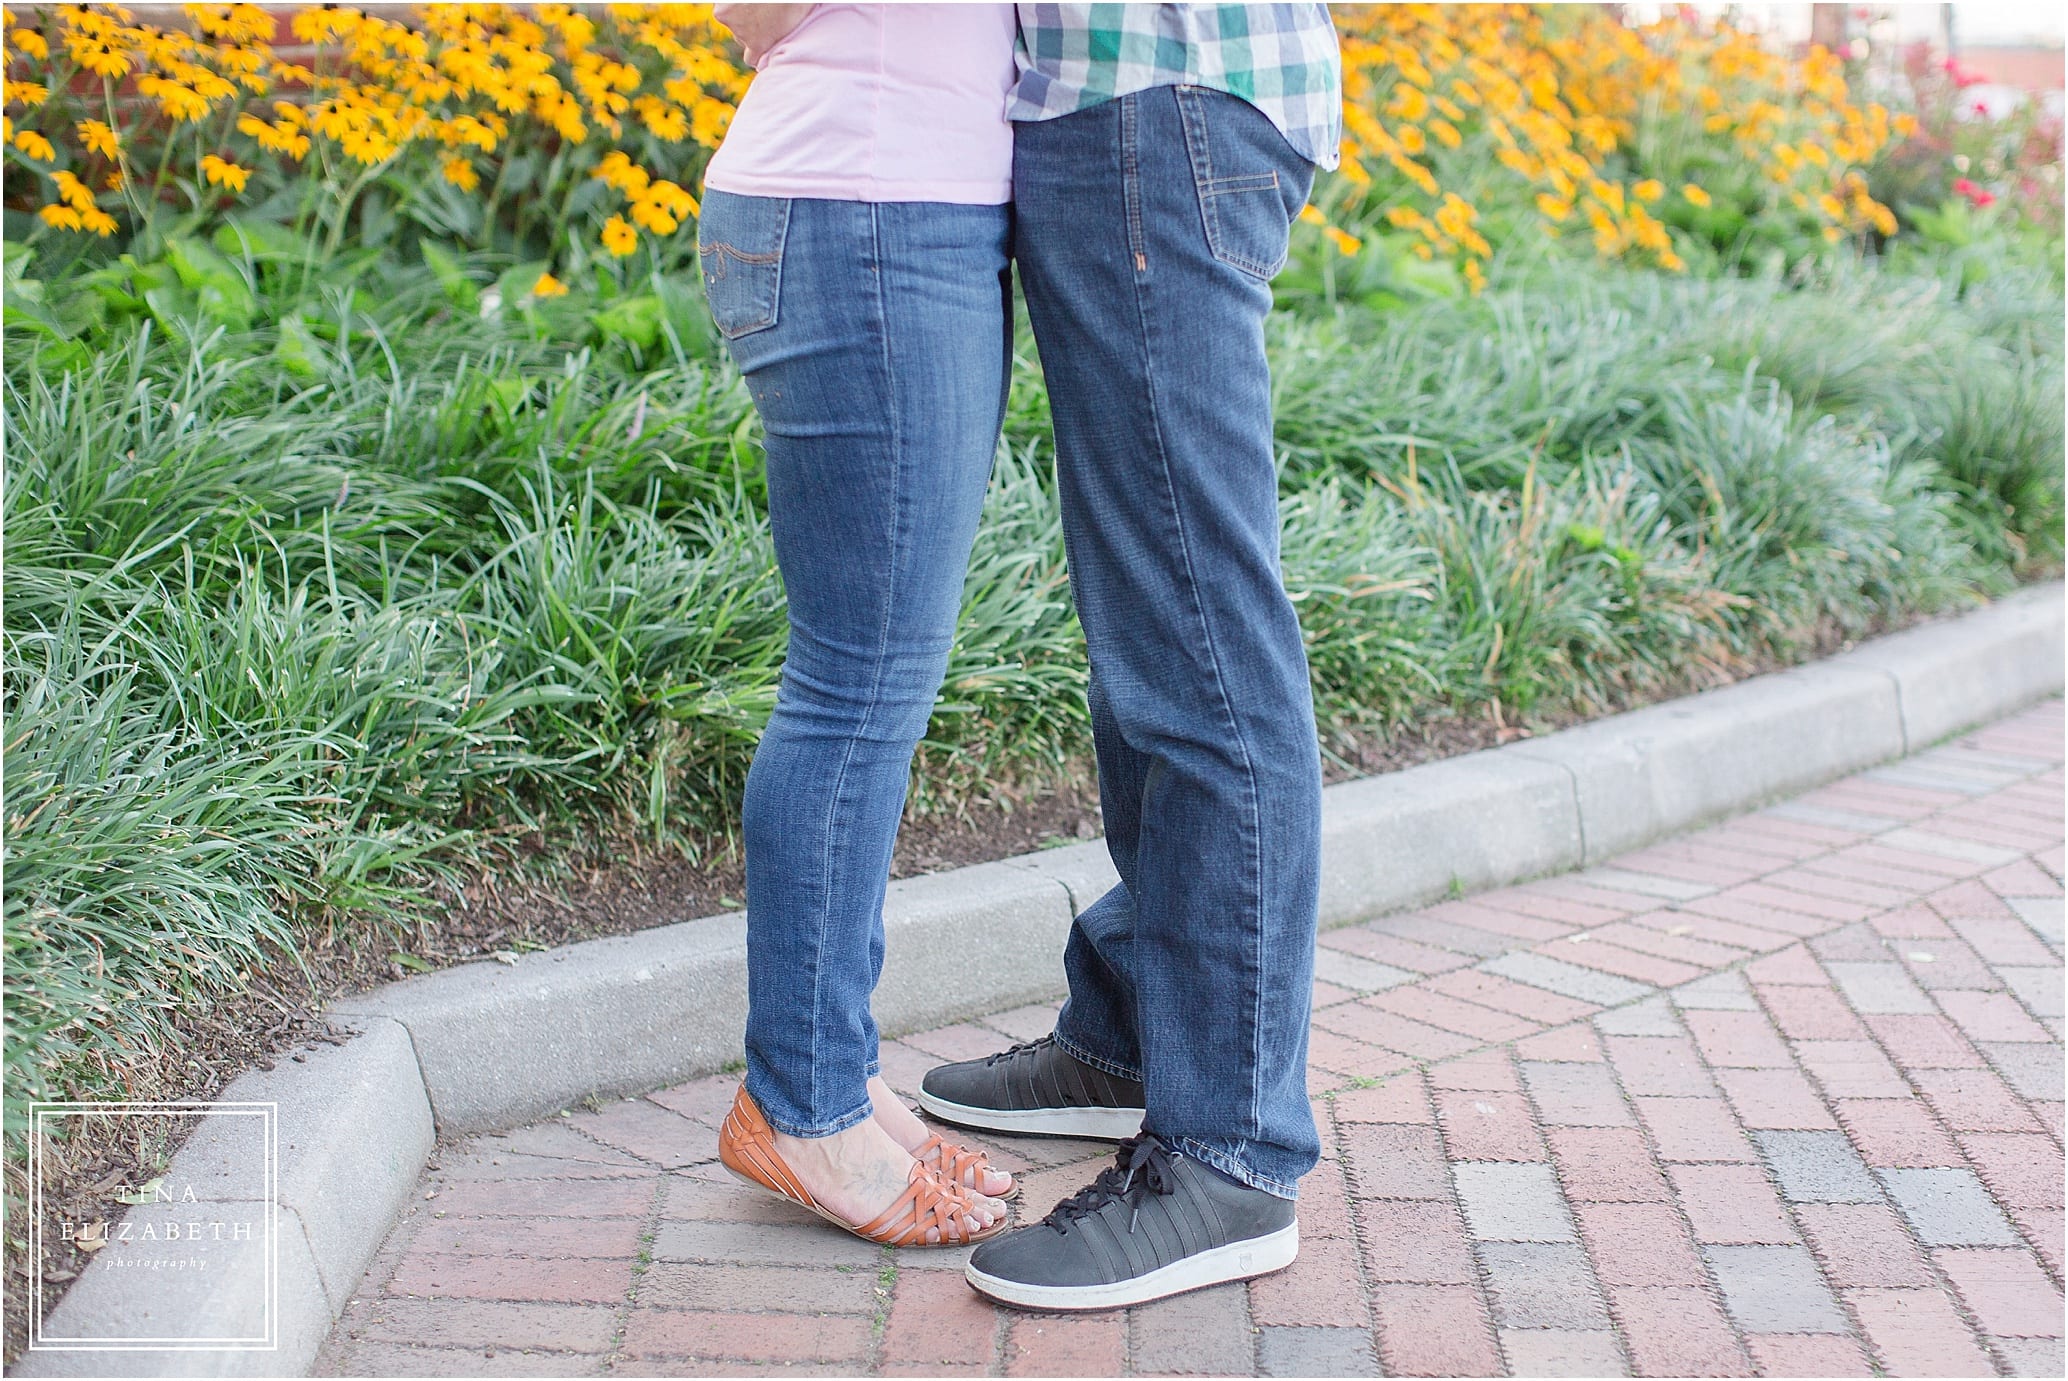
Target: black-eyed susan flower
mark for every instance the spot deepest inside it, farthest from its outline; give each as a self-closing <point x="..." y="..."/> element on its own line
<point x="100" y="139"/>
<point x="35" y="145"/>
<point x="619" y="237"/>
<point x="223" y="173"/>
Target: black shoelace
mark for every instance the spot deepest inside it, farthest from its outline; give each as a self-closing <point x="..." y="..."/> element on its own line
<point x="1141" y="1167"/>
<point x="1013" y="1051"/>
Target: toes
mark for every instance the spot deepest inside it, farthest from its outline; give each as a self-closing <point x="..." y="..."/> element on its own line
<point x="933" y="1236"/>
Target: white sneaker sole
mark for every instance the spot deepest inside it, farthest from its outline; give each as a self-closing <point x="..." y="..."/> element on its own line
<point x="1254" y="1256"/>
<point x="1096" y="1124"/>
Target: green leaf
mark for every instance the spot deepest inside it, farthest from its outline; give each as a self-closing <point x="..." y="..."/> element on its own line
<point x="262" y="241"/>
<point x="635" y="319"/>
<point x="510" y="390"/>
<point x="459" y="289"/>
<point x="298" y="349"/>
<point x="175" y="307"/>
<point x="14" y="259"/>
<point x="218" y="288"/>
<point x="408" y="961"/>
<point x="687" y="314"/>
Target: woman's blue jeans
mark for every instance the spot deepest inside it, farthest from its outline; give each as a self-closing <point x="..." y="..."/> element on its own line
<point x="875" y="337"/>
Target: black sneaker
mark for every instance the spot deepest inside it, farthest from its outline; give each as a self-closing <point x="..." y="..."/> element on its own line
<point x="1157" y="1223"/>
<point x="1034" y="1089"/>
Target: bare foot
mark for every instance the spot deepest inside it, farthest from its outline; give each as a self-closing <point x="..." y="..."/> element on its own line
<point x="908" y="1131"/>
<point x="858" y="1173"/>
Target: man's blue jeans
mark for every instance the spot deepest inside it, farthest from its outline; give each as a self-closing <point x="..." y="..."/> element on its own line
<point x="1147" y="229"/>
<point x="875" y="338"/>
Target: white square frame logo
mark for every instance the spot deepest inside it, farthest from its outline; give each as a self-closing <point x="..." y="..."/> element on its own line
<point x="268" y="1340"/>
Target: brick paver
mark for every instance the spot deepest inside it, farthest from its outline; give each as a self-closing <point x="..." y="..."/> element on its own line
<point x="1781" y="1097"/>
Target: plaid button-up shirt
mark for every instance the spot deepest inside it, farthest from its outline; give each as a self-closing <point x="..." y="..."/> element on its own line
<point x="1282" y="59"/>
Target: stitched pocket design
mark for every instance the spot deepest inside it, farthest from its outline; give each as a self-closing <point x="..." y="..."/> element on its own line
<point x="740" y="253"/>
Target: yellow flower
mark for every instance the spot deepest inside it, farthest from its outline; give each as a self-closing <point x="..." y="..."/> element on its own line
<point x="100" y="139"/>
<point x="1651" y="189"/>
<point x="34" y="145"/>
<point x="224" y="173"/>
<point x="650" y="215"/>
<point x="1310" y="214"/>
<point x="98" y="221"/>
<point x="30" y="42"/>
<point x="28" y="93"/>
<point x="74" y="192"/>
<point x="1346" y="244"/>
<point x="176" y="100"/>
<point x="708" y="122"/>
<point x="1475" y="277"/>
<point x="618" y="237"/>
<point x="548" y="286"/>
<point x="1552" y="207"/>
<point x="662" y="120"/>
<point x="63" y="217"/>
<point x="1831" y="206"/>
<point x="1672" y="262"/>
<point x="1695" y="195"/>
<point x="98" y="55"/>
<point x="460" y="173"/>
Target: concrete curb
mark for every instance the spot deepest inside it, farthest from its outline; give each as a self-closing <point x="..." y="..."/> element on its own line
<point x="489" y="1045"/>
<point x="352" y="1134"/>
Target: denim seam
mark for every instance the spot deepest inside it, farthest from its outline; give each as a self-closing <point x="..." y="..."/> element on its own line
<point x="1220" y="1160"/>
<point x="1083" y="1056"/>
<point x="1131" y="180"/>
<point x="818" y="977"/>
<point x="1255" y="831"/>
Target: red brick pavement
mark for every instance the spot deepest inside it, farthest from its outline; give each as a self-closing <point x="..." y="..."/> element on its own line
<point x="1803" y="1119"/>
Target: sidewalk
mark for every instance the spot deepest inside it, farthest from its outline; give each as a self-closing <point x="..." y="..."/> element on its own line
<point x="1780" y="1097"/>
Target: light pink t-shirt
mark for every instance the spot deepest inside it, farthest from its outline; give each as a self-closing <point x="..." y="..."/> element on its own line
<point x="878" y="103"/>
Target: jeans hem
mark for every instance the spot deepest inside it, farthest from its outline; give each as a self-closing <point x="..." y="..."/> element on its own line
<point x="825" y="1129"/>
<point x="1228" y="1165"/>
<point x="1083" y="1056"/>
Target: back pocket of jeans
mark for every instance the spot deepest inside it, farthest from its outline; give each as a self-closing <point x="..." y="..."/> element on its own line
<point x="740" y="253"/>
<point x="1246" y="225"/>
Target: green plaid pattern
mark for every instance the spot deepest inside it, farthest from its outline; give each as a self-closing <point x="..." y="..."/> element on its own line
<point x="1282" y="59"/>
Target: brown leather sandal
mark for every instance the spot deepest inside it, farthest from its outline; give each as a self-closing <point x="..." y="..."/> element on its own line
<point x="963" y="1165"/>
<point x="746" y="1147"/>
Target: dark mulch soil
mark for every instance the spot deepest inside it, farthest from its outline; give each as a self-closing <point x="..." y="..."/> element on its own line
<point x="524" y="908"/>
